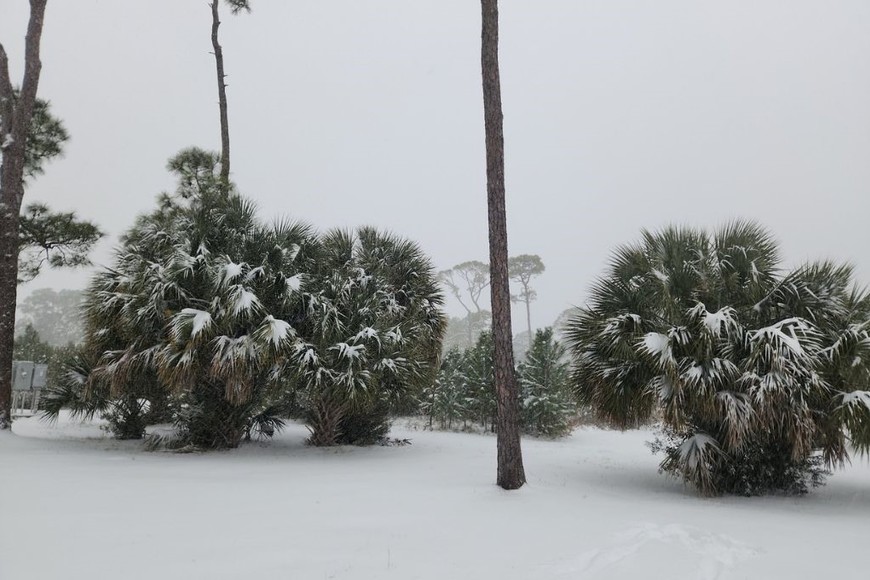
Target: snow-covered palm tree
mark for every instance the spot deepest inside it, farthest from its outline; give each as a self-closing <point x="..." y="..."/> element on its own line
<point x="241" y="321"/>
<point x="373" y="334"/>
<point x="752" y="372"/>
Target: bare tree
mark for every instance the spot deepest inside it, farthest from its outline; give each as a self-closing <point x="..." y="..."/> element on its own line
<point x="521" y="269"/>
<point x="236" y="6"/>
<point x="511" y="474"/>
<point x="468" y="278"/>
<point x="16" y="112"/>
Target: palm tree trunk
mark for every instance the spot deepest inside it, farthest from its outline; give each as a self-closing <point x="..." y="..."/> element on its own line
<point x="511" y="474"/>
<point x="15" y="116"/>
<point x="222" y="95"/>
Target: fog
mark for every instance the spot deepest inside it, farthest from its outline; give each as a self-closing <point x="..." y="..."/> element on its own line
<point x="618" y="116"/>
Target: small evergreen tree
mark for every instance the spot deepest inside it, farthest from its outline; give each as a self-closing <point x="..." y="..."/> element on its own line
<point x="546" y="403"/>
<point x="446" y="400"/>
<point x="480" y="386"/>
<point x="30" y="347"/>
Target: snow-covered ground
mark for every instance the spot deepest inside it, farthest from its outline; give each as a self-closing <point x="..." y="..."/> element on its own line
<point x="76" y="505"/>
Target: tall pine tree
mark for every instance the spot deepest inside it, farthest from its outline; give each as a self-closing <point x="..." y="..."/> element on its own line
<point x="511" y="474"/>
<point x="236" y="6"/>
<point x="16" y="112"/>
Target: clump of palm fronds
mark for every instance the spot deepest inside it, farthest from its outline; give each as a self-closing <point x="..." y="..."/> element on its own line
<point x="234" y="319"/>
<point x="756" y="374"/>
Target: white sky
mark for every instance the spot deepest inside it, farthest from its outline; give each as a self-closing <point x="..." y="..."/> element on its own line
<point x="619" y="115"/>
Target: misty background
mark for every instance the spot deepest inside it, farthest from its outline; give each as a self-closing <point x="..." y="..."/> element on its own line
<point x="618" y="116"/>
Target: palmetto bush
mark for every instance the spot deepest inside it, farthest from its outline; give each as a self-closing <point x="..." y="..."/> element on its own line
<point x="760" y="378"/>
<point x="373" y="329"/>
<point x="243" y="323"/>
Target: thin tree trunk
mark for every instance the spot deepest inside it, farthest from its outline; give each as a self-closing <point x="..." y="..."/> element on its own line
<point x="222" y="95"/>
<point x="511" y="474"/>
<point x="529" y="316"/>
<point x="15" y="116"/>
<point x="470" y="331"/>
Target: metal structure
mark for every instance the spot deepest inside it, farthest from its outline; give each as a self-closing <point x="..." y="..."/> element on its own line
<point x="28" y="379"/>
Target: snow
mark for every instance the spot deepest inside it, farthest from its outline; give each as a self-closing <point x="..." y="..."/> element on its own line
<point x="694" y="449"/>
<point x="294" y="283"/>
<point x="715" y="321"/>
<point x="775" y="332"/>
<point x="243" y="300"/>
<point x="661" y="276"/>
<point x="201" y="320"/>
<point x="857" y="398"/>
<point x="76" y="504"/>
<point x="348" y="351"/>
<point x="658" y="344"/>
<point x="230" y="272"/>
<point x="277" y="330"/>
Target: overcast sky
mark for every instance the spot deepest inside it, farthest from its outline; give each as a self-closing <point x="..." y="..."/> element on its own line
<point x="619" y="115"/>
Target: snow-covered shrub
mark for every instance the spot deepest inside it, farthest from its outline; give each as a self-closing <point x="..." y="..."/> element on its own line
<point x="546" y="404"/>
<point x="372" y="331"/>
<point x="243" y="322"/>
<point x="126" y="414"/>
<point x="754" y="374"/>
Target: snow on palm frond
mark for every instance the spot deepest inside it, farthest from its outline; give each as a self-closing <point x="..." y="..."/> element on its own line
<point x="854" y="412"/>
<point x="658" y="345"/>
<point x="707" y="377"/>
<point x="786" y="337"/>
<point x="395" y="336"/>
<point x="395" y="366"/>
<point x="241" y="300"/>
<point x="181" y="264"/>
<point x="697" y="457"/>
<point x="228" y="273"/>
<point x="851" y="346"/>
<point x="274" y="332"/>
<point x="190" y="322"/>
<point x="306" y="355"/>
<point x="722" y="321"/>
<point x="293" y="284"/>
<point x="856" y="399"/>
<point x="255" y="274"/>
<point x="367" y="334"/>
<point x="348" y="351"/>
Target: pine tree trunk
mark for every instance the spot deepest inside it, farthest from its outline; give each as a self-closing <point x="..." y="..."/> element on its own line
<point x="8" y="292"/>
<point x="15" y="116"/>
<point x="222" y="95"/>
<point x="511" y="474"/>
